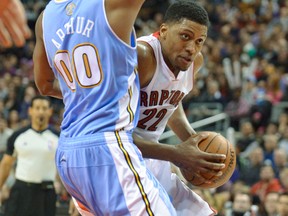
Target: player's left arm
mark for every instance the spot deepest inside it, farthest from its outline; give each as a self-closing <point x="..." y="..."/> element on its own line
<point x="44" y="77"/>
<point x="178" y="122"/>
<point x="180" y="125"/>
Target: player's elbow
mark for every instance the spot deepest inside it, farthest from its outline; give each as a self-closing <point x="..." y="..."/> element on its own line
<point x="49" y="88"/>
<point x="43" y="88"/>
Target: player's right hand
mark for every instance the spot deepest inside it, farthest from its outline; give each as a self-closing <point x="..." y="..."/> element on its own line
<point x="189" y="156"/>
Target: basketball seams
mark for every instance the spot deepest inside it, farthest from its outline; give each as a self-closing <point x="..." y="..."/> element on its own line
<point x="208" y="145"/>
<point x="216" y="144"/>
<point x="227" y="150"/>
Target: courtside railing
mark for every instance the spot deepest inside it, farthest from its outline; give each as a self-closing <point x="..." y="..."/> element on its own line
<point x="221" y="118"/>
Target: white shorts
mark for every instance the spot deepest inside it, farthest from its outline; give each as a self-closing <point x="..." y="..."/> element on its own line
<point x="185" y="201"/>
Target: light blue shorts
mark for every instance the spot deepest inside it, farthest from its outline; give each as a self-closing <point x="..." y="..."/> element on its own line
<point x="105" y="172"/>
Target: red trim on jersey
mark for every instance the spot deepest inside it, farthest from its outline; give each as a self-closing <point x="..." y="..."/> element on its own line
<point x="156" y="34"/>
<point x="82" y="206"/>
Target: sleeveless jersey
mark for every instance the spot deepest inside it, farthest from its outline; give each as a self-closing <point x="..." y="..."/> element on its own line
<point x="161" y="96"/>
<point x="95" y="68"/>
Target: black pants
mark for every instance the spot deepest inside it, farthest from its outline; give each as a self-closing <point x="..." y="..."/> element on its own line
<point x="29" y="199"/>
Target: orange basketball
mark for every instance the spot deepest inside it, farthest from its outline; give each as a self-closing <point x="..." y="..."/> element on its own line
<point x="214" y="143"/>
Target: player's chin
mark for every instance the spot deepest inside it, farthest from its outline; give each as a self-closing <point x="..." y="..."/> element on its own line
<point x="184" y="64"/>
<point x="184" y="67"/>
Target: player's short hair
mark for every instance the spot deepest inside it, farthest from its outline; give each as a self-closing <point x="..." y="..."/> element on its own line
<point x="186" y="9"/>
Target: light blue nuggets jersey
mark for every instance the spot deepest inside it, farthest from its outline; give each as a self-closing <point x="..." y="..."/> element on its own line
<point x="95" y="69"/>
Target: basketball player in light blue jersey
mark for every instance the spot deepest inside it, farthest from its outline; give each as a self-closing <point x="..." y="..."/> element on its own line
<point x="86" y="54"/>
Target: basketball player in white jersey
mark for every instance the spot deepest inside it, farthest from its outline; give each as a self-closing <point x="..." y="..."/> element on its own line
<point x="168" y="60"/>
<point x="89" y="49"/>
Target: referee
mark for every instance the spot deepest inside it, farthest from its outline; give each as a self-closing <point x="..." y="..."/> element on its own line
<point x="33" y="148"/>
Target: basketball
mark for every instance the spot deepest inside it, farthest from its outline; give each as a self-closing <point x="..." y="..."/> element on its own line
<point x="214" y="143"/>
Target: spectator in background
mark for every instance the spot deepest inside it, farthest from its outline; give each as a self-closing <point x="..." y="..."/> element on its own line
<point x="248" y="89"/>
<point x="250" y="169"/>
<point x="212" y="93"/>
<point x="10" y="102"/>
<point x="274" y="92"/>
<point x="282" y="206"/>
<point x="29" y="94"/>
<point x="267" y="183"/>
<point x="246" y="138"/>
<point x="237" y="109"/>
<point x="280" y="161"/>
<point x="272" y="128"/>
<point x="241" y="205"/>
<point x="282" y="123"/>
<point x="283" y="141"/>
<point x="13" y="120"/>
<point x="269" y="206"/>
<point x="5" y="133"/>
<point x="260" y="111"/>
<point x="283" y="177"/>
<point x="270" y="143"/>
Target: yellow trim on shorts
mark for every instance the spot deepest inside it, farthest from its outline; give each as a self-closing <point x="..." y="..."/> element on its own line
<point x="131" y="114"/>
<point x="136" y="175"/>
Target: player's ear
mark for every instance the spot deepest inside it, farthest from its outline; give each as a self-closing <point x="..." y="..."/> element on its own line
<point x="163" y="30"/>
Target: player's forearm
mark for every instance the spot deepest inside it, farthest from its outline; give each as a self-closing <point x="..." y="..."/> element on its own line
<point x="182" y="129"/>
<point x="155" y="150"/>
<point x="180" y="125"/>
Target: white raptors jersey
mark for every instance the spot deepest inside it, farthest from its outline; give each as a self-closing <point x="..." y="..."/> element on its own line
<point x="161" y="96"/>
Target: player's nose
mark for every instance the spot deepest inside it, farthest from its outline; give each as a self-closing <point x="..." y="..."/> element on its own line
<point x="191" y="47"/>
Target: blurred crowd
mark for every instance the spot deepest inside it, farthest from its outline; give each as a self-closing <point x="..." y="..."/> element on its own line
<point x="245" y="71"/>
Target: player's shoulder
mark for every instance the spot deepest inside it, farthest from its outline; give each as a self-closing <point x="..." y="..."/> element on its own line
<point x="146" y="62"/>
<point x="144" y="50"/>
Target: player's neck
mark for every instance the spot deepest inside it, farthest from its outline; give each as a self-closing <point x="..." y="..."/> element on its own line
<point x="175" y="71"/>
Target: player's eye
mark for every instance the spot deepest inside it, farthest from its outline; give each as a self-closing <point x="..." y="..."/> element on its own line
<point x="185" y="36"/>
<point x="200" y="42"/>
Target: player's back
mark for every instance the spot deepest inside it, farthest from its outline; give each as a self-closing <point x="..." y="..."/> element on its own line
<point x="95" y="69"/>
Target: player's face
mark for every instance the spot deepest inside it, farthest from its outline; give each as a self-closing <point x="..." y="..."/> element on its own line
<point x="181" y="42"/>
<point x="40" y="113"/>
